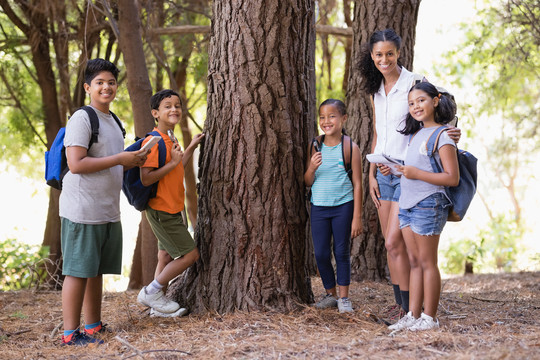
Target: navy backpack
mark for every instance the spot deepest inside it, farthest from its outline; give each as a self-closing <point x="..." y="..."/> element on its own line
<point x="56" y="166"/>
<point x="462" y="194"/>
<point x="136" y="193"/>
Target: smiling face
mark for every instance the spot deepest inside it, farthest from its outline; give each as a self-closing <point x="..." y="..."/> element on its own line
<point x="331" y="120"/>
<point x="422" y="106"/>
<point x="102" y="90"/>
<point x="385" y="56"/>
<point x="168" y="113"/>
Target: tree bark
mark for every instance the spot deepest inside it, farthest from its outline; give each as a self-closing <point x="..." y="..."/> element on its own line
<point x="368" y="254"/>
<point x="140" y="91"/>
<point x="261" y="99"/>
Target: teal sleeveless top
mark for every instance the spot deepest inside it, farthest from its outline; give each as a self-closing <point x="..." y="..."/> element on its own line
<point x="331" y="186"/>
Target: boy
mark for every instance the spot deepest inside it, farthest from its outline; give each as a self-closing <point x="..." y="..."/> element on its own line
<point x="91" y="233"/>
<point x="177" y="250"/>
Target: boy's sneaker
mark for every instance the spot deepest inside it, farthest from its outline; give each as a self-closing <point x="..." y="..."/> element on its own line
<point x="157" y="301"/>
<point x="424" y="322"/>
<point x="344" y="305"/>
<point x="100" y="329"/>
<point x="79" y="339"/>
<point x="327" y="301"/>
<point x="180" y="312"/>
<point x="404" y="323"/>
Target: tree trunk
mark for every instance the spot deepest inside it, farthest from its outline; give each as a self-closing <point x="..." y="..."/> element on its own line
<point x="368" y="254"/>
<point x="140" y="91"/>
<point x="251" y="227"/>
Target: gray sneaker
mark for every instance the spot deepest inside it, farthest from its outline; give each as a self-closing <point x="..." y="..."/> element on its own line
<point x="180" y="312"/>
<point x="158" y="301"/>
<point x="327" y="301"/>
<point x="344" y="305"/>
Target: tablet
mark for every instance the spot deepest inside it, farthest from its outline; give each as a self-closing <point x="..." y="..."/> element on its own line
<point x="150" y="143"/>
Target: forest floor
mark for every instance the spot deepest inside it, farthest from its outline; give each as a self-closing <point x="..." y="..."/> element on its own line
<point x="495" y="316"/>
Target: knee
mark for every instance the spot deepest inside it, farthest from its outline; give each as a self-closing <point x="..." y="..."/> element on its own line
<point x="193" y="256"/>
<point x="414" y="261"/>
<point x="164" y="257"/>
<point x="394" y="244"/>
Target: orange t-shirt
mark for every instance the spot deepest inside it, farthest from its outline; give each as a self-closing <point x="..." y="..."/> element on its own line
<point x="170" y="191"/>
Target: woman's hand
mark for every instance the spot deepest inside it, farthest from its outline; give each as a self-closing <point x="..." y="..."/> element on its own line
<point x="374" y="191"/>
<point x="454" y="133"/>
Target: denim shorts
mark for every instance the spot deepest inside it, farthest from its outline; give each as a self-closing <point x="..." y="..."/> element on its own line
<point x="428" y="217"/>
<point x="389" y="186"/>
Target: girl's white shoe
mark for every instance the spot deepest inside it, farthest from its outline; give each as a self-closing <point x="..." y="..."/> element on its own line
<point x="404" y="323"/>
<point x="424" y="322"/>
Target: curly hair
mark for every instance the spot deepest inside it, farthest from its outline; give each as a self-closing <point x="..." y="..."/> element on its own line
<point x="372" y="76"/>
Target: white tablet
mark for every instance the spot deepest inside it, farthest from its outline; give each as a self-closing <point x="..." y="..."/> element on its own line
<point x="150" y="143"/>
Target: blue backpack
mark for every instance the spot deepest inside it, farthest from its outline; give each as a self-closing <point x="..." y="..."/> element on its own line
<point x="462" y="194"/>
<point x="136" y="193"/>
<point x="56" y="166"/>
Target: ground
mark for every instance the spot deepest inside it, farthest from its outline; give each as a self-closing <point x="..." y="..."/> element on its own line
<point x="492" y="316"/>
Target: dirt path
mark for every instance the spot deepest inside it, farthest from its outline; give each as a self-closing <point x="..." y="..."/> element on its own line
<point x="481" y="316"/>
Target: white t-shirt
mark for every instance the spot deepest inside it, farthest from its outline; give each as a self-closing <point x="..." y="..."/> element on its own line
<point x="93" y="198"/>
<point x="414" y="191"/>
<point x="390" y="113"/>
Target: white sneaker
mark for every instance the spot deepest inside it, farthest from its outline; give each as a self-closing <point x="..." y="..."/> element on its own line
<point x="157" y="301"/>
<point x="404" y="323"/>
<point x="344" y="305"/>
<point x="424" y="322"/>
<point x="180" y="312"/>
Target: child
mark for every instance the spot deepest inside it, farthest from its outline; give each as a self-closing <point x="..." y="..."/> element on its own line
<point x="423" y="205"/>
<point x="177" y="250"/>
<point x="336" y="205"/>
<point x="91" y="232"/>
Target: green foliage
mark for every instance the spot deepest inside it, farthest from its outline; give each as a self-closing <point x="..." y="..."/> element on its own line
<point x="494" y="248"/>
<point x="501" y="55"/>
<point x="20" y="264"/>
<point x="460" y="251"/>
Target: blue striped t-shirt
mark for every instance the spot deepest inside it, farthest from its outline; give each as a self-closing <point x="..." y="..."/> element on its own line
<point x="331" y="186"/>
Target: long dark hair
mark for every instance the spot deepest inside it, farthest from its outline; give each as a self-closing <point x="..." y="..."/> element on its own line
<point x="444" y="112"/>
<point x="372" y="76"/>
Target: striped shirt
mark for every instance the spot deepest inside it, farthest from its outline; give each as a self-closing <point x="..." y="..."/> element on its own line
<point x="331" y="186"/>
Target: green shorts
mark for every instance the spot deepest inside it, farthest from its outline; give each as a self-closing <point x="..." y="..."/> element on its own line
<point x="91" y="250"/>
<point x="173" y="236"/>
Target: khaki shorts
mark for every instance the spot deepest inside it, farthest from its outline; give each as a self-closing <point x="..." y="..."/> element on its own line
<point x="173" y="236"/>
<point x="91" y="250"/>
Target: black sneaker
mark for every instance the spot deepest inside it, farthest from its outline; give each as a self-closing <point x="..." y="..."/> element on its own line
<point x="79" y="339"/>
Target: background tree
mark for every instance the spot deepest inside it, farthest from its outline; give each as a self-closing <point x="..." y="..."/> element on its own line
<point x="252" y="215"/>
<point x="368" y="254"/>
<point x="35" y="26"/>
<point x="501" y="53"/>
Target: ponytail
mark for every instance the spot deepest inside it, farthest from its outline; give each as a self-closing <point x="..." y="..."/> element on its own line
<point x="444" y="112"/>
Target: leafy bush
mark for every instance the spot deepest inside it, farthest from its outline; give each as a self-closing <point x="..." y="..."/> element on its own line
<point x="21" y="265"/>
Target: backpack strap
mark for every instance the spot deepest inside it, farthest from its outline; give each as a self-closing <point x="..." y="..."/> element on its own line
<point x="346" y="152"/>
<point x="94" y="124"/>
<point x="162" y="148"/>
<point x="431" y="147"/>
<point x="119" y="123"/>
<point x="318" y="140"/>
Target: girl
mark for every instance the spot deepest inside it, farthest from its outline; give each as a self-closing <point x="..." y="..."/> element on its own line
<point x="423" y="205"/>
<point x="336" y="209"/>
<point x="388" y="83"/>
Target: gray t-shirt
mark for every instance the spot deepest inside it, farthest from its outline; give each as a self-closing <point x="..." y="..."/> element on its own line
<point x="93" y="198"/>
<point x="414" y="191"/>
